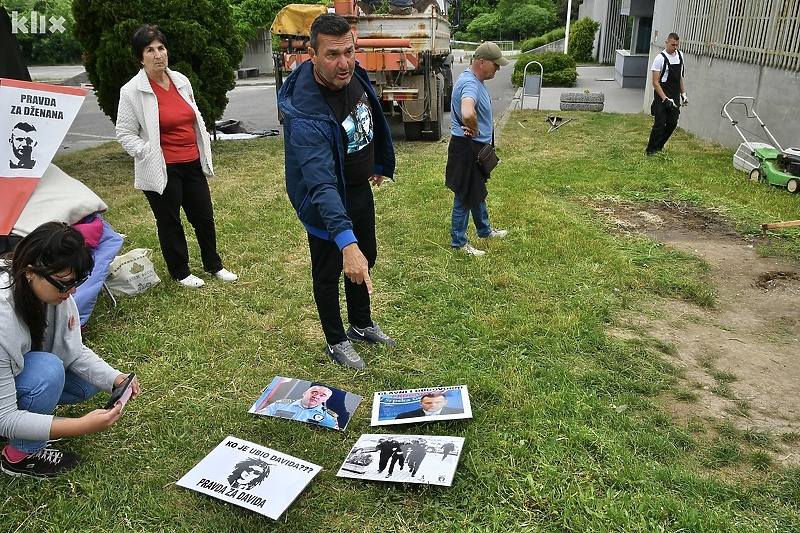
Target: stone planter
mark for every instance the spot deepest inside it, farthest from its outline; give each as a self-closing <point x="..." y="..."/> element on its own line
<point x="582" y="101"/>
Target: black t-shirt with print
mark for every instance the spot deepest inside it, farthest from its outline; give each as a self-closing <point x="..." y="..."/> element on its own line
<point x="351" y="108"/>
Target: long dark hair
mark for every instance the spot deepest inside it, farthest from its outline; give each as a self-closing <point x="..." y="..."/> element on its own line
<point x="51" y="248"/>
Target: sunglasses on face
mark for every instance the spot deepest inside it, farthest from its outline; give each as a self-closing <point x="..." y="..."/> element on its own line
<point x="65" y="287"/>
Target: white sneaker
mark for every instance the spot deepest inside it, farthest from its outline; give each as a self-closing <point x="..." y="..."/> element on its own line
<point x="473" y="251"/>
<point x="225" y="275"/>
<point x="192" y="281"/>
<point x="497" y="234"/>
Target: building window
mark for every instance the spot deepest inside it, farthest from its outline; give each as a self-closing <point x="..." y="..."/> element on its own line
<point x="643" y="28"/>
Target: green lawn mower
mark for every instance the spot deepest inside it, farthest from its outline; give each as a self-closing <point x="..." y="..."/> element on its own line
<point x="764" y="161"/>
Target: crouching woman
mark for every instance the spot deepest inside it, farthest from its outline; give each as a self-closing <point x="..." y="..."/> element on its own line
<point x="43" y="361"/>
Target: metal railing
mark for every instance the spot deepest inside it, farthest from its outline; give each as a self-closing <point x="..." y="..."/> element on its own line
<point x="761" y="32"/>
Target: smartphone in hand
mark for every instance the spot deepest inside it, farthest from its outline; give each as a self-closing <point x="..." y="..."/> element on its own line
<point x="121" y="393"/>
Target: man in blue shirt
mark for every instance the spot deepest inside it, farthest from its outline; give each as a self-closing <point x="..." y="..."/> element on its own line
<point x="472" y="129"/>
<point x="310" y="408"/>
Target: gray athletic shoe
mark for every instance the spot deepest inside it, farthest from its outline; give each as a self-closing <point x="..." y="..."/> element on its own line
<point x="372" y="335"/>
<point x="344" y="354"/>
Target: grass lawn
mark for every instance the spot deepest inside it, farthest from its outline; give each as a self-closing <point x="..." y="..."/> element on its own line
<point x="524" y="327"/>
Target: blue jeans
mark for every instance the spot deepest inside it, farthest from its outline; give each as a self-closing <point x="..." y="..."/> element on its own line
<point x="43" y="384"/>
<point x="460" y="220"/>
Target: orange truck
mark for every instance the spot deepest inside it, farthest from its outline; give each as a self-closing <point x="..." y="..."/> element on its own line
<point x="408" y="57"/>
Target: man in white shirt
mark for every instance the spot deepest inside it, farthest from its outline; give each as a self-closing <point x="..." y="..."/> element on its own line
<point x="668" y="94"/>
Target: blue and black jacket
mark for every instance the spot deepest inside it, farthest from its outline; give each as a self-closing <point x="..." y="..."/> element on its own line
<point x="315" y="150"/>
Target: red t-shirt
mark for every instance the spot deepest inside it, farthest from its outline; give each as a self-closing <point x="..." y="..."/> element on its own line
<point x="176" y="120"/>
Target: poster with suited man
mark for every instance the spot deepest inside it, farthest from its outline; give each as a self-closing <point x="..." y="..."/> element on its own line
<point x="420" y="405"/>
<point x="306" y="401"/>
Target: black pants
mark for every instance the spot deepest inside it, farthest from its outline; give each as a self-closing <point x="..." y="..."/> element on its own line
<point x="414" y="461"/>
<point x="383" y="460"/>
<point x="327" y="266"/>
<point x="187" y="187"/>
<point x="396" y="458"/>
<point x="666" y="120"/>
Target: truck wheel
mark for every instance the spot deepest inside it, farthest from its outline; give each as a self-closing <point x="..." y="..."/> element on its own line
<point x="436" y="129"/>
<point x="436" y="125"/>
<point x="413" y="131"/>
<point x="755" y="174"/>
<point x="792" y="185"/>
<point x="448" y="86"/>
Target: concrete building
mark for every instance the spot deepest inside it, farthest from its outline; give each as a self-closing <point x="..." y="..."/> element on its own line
<point x="731" y="47"/>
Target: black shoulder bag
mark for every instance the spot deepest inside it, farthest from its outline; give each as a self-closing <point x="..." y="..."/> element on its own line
<point x="486" y="158"/>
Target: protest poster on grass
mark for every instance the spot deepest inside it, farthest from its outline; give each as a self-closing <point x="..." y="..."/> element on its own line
<point x="246" y="474"/>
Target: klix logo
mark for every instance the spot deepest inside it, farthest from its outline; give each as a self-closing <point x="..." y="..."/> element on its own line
<point x="36" y="23"/>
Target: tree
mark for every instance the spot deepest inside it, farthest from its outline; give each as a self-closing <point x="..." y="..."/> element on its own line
<point x="506" y="8"/>
<point x="50" y="47"/>
<point x="250" y="15"/>
<point x="581" y="39"/>
<point x="518" y="19"/>
<point x="529" y="20"/>
<point x="203" y="45"/>
<point x="485" y="26"/>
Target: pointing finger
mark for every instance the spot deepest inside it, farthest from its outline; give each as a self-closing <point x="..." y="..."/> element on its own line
<point x="369" y="284"/>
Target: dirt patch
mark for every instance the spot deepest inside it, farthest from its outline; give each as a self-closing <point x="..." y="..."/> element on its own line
<point x="740" y="359"/>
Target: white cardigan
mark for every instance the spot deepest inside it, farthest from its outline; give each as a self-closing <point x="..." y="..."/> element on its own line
<point x="138" y="130"/>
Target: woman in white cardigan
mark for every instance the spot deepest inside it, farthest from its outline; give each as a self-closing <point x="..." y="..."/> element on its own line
<point x="160" y="126"/>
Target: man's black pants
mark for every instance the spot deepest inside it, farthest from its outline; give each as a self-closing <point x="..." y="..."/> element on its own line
<point x="666" y="120"/>
<point x="327" y="266"/>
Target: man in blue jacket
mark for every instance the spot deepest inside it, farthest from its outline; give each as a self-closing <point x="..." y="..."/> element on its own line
<point x="337" y="141"/>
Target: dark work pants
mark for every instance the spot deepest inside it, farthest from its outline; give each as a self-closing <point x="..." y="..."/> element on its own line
<point x="666" y="120"/>
<point x="327" y="266"/>
<point x="187" y="187"/>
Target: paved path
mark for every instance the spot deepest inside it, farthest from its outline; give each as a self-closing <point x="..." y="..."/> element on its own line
<point x="595" y="79"/>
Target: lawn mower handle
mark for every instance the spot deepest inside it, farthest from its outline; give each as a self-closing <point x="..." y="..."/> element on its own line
<point x="750" y="112"/>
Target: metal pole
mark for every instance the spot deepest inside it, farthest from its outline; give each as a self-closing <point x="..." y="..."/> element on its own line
<point x="569" y="18"/>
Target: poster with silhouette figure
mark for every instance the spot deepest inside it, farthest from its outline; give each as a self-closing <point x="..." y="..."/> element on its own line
<point x="306" y="401"/>
<point x="251" y="476"/>
<point x="34" y="118"/>
<point x="420" y="405"/>
<point x="425" y="459"/>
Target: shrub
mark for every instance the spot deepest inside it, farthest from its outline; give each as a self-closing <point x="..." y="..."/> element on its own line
<point x="581" y="39"/>
<point x="530" y="44"/>
<point x="559" y="69"/>
<point x="547" y="38"/>
<point x="203" y="46"/>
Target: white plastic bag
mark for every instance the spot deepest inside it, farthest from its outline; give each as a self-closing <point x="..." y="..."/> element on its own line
<point x="132" y="273"/>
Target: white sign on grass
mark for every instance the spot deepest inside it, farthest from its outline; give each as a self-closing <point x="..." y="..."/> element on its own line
<point x="426" y="459"/>
<point x="248" y="475"/>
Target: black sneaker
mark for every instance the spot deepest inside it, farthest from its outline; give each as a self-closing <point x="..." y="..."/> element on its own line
<point x="372" y="335"/>
<point x="43" y="464"/>
<point x="344" y="354"/>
